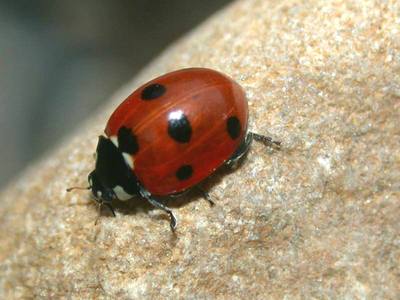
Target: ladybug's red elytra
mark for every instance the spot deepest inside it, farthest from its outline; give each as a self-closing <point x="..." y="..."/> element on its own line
<point x="169" y="135"/>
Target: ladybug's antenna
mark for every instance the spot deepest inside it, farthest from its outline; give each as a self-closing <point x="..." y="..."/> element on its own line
<point x="78" y="188"/>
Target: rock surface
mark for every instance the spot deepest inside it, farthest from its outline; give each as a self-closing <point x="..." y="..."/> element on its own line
<point x="318" y="219"/>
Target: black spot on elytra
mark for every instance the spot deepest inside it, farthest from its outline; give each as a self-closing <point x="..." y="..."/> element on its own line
<point x="233" y="127"/>
<point x="184" y="172"/>
<point x="127" y="141"/>
<point x="153" y="91"/>
<point x="179" y="127"/>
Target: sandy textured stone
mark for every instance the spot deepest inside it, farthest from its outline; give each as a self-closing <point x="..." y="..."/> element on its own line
<point x="318" y="219"/>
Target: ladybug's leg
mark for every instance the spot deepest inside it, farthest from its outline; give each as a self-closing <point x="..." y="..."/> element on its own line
<point x="157" y="204"/>
<point x="266" y="140"/>
<point x="109" y="207"/>
<point x="245" y="145"/>
<point x="100" y="206"/>
<point x="205" y="195"/>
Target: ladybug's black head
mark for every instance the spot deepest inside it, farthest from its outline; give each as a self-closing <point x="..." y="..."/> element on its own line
<point x="112" y="178"/>
<point x="100" y="192"/>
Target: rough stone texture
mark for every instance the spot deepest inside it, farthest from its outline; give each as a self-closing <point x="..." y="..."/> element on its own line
<point x="318" y="219"/>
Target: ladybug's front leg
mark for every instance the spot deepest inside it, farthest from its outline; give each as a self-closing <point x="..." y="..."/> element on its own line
<point x="157" y="204"/>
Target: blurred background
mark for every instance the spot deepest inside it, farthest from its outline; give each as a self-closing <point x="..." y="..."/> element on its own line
<point x="61" y="59"/>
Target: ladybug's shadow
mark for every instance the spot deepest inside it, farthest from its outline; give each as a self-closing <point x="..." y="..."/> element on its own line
<point x="197" y="193"/>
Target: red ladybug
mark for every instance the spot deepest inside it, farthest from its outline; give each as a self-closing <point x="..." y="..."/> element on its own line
<point x="169" y="135"/>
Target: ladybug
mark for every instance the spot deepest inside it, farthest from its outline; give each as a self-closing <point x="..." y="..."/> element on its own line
<point x="169" y="135"/>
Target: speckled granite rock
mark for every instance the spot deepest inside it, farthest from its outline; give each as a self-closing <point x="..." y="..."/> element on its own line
<point x="318" y="219"/>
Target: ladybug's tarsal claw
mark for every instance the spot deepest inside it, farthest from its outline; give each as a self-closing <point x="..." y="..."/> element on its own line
<point x="208" y="198"/>
<point x="173" y="221"/>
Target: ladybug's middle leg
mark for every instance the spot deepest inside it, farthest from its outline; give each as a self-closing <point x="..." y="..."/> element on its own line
<point x="205" y="194"/>
<point x="161" y="206"/>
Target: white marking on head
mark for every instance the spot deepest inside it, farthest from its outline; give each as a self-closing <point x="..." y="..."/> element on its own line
<point x="99" y="194"/>
<point x="128" y="159"/>
<point x="121" y="194"/>
<point x="114" y="140"/>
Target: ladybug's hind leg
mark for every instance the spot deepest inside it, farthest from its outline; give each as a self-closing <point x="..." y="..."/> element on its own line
<point x="161" y="206"/>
